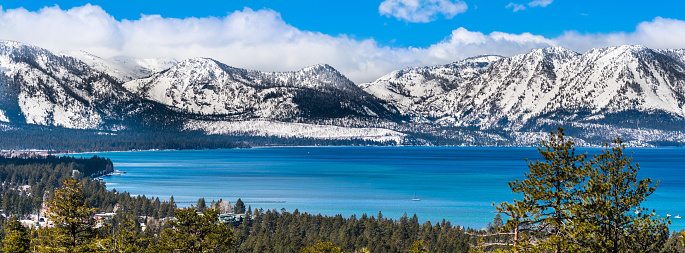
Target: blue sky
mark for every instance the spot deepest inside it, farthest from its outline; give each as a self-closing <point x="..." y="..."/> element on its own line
<point x="363" y="39"/>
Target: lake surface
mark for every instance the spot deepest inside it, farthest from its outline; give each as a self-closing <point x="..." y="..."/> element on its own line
<point x="458" y="184"/>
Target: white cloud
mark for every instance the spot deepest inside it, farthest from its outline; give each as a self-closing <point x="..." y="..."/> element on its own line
<point x="261" y="40"/>
<point x="658" y="33"/>
<point x="540" y="3"/>
<point x="421" y="11"/>
<point x="536" y="3"/>
<point x="463" y="43"/>
<point x="515" y="7"/>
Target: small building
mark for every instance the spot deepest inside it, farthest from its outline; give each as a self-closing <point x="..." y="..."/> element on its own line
<point x="232" y="218"/>
<point x="100" y="218"/>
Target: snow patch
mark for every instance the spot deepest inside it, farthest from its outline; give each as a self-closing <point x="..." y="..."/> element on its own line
<point x="3" y="118"/>
<point x="283" y="129"/>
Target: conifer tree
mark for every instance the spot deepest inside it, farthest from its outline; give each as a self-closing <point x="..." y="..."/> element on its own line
<point x="193" y="232"/>
<point x="322" y="247"/>
<point x="74" y="225"/>
<point x="239" y="206"/>
<point x="573" y="204"/>
<point x="612" y="219"/>
<point x="127" y="237"/>
<point x="201" y="205"/>
<point x="16" y="237"/>
<point x="542" y="220"/>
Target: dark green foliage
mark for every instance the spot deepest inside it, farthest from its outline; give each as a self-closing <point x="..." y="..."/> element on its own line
<point x="573" y="204"/>
<point x="273" y="231"/>
<point x="610" y="196"/>
<point x="126" y="236"/>
<point x="74" y="140"/>
<point x="550" y="194"/>
<point x="675" y="243"/>
<point x="201" y="206"/>
<point x="43" y="175"/>
<point x="17" y="238"/>
<point x="239" y="206"/>
<point x="194" y="232"/>
<point x="74" y="224"/>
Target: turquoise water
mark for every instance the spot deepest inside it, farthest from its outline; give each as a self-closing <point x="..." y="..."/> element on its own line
<point x="458" y="184"/>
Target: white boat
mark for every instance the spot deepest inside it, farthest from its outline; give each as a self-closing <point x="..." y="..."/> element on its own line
<point x="415" y="198"/>
<point x="677" y="217"/>
<point x="668" y="215"/>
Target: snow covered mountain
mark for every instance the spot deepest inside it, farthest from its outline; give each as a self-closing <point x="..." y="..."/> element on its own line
<point x="123" y="68"/>
<point x="631" y="91"/>
<point x="410" y="87"/>
<point x="39" y="87"/>
<point x="602" y="86"/>
<point x="43" y="88"/>
<point x="204" y="86"/>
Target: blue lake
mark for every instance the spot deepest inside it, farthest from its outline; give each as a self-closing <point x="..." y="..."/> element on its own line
<point x="458" y="184"/>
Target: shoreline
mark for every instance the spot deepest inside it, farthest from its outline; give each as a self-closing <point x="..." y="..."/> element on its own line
<point x="341" y="146"/>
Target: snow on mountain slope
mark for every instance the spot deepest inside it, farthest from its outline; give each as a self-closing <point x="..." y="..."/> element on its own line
<point x="560" y="84"/>
<point x="39" y="87"/>
<point x="205" y="87"/>
<point x="607" y="91"/>
<point x="289" y="130"/>
<point x="411" y="86"/>
<point x="3" y="118"/>
<point x="121" y="67"/>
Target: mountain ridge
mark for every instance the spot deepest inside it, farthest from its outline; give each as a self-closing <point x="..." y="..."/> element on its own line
<point x="514" y="90"/>
<point x="482" y="100"/>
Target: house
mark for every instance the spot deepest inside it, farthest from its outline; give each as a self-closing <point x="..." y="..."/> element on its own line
<point x="232" y="218"/>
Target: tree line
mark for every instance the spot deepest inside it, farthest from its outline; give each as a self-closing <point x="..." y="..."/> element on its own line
<point x="61" y="140"/>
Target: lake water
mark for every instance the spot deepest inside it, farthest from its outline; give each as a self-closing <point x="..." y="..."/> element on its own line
<point x="458" y="184"/>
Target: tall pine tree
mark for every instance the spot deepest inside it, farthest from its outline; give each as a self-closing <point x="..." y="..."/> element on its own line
<point x="573" y="204"/>
<point x="17" y="237"/>
<point x="542" y="219"/>
<point x="74" y="224"/>
<point x="611" y="218"/>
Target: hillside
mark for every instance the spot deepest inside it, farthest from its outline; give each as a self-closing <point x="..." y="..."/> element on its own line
<point x="629" y="91"/>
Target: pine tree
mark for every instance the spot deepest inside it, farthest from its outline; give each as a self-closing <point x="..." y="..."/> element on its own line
<point x="193" y="232"/>
<point x="612" y="218"/>
<point x="570" y="204"/>
<point x="74" y="225"/>
<point x="239" y="206"/>
<point x="17" y="237"/>
<point x="127" y="236"/>
<point x="201" y="205"/>
<point x="541" y="221"/>
<point x="322" y="247"/>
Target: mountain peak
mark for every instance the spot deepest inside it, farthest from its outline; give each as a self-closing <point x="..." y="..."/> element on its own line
<point x="10" y="47"/>
<point x="13" y="44"/>
<point x="198" y="61"/>
<point x="320" y="68"/>
<point x="556" y="52"/>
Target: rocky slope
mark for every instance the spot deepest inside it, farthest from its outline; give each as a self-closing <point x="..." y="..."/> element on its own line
<point x="39" y="87"/>
<point x="630" y="91"/>
<point x="83" y="91"/>
<point x="203" y="86"/>
<point x="600" y="86"/>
